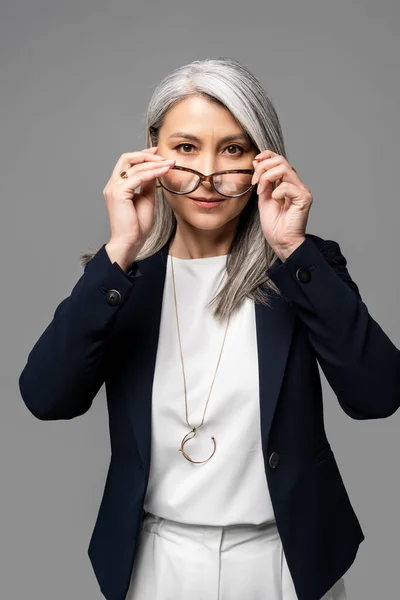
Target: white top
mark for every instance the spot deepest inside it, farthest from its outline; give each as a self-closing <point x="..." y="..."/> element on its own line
<point x="230" y="488"/>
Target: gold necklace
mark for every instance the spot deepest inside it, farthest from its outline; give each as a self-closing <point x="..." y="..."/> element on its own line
<point x="193" y="430"/>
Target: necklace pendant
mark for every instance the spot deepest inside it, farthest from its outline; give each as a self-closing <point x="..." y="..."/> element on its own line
<point x="186" y="439"/>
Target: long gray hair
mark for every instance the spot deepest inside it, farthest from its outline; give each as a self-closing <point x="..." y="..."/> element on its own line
<point x="228" y="82"/>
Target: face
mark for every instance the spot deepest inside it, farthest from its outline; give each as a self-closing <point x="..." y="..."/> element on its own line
<point x="210" y="123"/>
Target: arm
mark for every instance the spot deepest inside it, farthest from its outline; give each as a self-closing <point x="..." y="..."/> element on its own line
<point x="359" y="360"/>
<point x="66" y="367"/>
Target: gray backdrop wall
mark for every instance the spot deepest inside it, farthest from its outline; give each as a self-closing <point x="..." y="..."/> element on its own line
<point x="76" y="78"/>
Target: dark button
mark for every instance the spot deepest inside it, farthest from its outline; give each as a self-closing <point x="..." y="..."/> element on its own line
<point x="274" y="460"/>
<point x="113" y="297"/>
<point x="303" y="275"/>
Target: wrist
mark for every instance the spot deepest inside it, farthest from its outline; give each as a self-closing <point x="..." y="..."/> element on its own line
<point x="284" y="251"/>
<point x="123" y="255"/>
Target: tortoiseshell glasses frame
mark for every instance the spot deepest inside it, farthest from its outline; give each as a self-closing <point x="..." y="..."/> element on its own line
<point x="210" y="179"/>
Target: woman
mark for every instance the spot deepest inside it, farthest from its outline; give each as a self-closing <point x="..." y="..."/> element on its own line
<point x="206" y="322"/>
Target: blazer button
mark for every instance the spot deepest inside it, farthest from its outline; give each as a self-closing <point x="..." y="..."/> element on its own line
<point x="303" y="275"/>
<point x="113" y="297"/>
<point x="274" y="460"/>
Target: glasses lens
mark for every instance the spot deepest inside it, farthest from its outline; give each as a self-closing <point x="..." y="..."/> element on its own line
<point x="228" y="184"/>
<point x="233" y="184"/>
<point x="179" y="181"/>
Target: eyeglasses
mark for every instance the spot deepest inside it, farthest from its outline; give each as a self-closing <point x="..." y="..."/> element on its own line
<point x="231" y="183"/>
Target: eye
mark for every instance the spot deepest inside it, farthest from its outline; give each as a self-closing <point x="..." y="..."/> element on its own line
<point x="241" y="150"/>
<point x="180" y="145"/>
<point x="236" y="146"/>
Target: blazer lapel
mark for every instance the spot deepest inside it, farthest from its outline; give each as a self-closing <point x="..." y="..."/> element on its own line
<point x="274" y="333"/>
<point x="274" y="327"/>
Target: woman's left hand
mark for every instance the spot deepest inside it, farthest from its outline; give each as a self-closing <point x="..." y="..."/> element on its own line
<point x="283" y="211"/>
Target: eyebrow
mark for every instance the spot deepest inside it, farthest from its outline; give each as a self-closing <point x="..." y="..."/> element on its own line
<point x="228" y="138"/>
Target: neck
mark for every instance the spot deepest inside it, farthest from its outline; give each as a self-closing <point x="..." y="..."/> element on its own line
<point x="201" y="244"/>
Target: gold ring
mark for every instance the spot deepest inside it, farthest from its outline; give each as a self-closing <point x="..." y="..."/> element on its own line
<point x="123" y="174"/>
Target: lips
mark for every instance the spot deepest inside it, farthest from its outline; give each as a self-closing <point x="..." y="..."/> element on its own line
<point x="207" y="199"/>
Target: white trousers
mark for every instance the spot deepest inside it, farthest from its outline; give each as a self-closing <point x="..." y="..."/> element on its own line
<point x="176" y="560"/>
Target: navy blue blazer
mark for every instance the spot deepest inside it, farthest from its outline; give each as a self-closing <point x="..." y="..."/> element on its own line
<point x="107" y="331"/>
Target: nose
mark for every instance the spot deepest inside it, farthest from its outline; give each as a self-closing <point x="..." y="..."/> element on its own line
<point x="206" y="184"/>
<point x="207" y="166"/>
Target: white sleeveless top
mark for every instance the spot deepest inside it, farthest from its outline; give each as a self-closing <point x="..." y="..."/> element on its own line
<point x="230" y="488"/>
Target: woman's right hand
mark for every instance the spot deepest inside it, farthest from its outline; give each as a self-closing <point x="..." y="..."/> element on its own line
<point x="131" y="214"/>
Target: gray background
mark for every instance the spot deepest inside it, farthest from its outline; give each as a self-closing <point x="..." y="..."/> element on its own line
<point x="76" y="78"/>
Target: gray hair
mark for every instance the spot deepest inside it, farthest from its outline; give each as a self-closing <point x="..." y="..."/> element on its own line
<point x="228" y="82"/>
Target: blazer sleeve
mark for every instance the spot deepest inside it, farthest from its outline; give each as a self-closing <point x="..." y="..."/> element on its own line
<point x="360" y="362"/>
<point x="66" y="366"/>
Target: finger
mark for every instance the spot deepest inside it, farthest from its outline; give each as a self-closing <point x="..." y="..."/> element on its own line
<point x="130" y="158"/>
<point x="262" y="165"/>
<point x="270" y="154"/>
<point x="268" y="163"/>
<point x="140" y="163"/>
<point x="134" y="181"/>
<point x="265" y="154"/>
<point x="138" y="168"/>
<point x="147" y="188"/>
<point x="279" y="172"/>
<point x="288" y="190"/>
